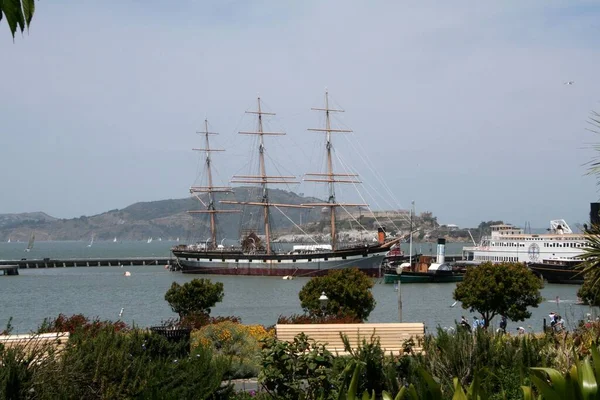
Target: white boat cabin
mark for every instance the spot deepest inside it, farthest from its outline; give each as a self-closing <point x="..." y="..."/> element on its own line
<point x="508" y="243"/>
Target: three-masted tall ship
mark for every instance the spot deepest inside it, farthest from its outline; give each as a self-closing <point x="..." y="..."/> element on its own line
<point x="255" y="254"/>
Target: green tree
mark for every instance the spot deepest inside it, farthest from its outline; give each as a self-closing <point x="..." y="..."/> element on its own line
<point x="194" y="297"/>
<point x="348" y="290"/>
<point x="18" y="14"/>
<point x="499" y="289"/>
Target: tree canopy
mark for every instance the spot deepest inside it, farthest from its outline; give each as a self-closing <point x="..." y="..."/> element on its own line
<point x="499" y="289"/>
<point x="348" y="291"/>
<point x="194" y="297"/>
<point x="18" y="14"/>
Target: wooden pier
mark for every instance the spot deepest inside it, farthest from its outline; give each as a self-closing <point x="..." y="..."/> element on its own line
<point x="9" y="269"/>
<point x="84" y="262"/>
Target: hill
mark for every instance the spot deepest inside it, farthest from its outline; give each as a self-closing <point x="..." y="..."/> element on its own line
<point x="164" y="218"/>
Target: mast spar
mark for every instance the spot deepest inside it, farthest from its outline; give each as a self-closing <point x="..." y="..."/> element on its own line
<point x="263" y="179"/>
<point x="210" y="189"/>
<point x="330" y="177"/>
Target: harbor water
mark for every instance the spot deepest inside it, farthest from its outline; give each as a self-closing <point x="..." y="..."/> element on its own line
<point x="102" y="291"/>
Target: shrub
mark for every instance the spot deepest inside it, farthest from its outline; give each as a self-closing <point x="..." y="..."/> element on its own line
<point x="79" y="322"/>
<point x="130" y="365"/>
<point x="239" y="343"/>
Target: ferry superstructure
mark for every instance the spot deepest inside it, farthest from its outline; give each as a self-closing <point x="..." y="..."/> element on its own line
<point x="508" y="243"/>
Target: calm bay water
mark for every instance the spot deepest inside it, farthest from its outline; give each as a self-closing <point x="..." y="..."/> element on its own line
<point x="103" y="291"/>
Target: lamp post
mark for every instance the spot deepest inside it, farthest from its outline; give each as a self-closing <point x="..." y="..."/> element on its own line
<point x="323" y="299"/>
<point x="399" y="296"/>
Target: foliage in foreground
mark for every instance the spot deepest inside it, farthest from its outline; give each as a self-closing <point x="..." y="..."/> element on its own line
<point x="79" y="323"/>
<point x="18" y="14"/>
<point x="499" y="289"/>
<point x="590" y="268"/>
<point x="348" y="290"/>
<point x="135" y="364"/>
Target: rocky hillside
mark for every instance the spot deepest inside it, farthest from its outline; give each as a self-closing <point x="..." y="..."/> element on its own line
<point x="170" y="219"/>
<point x="165" y="219"/>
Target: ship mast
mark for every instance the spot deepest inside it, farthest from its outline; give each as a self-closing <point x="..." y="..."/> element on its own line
<point x="263" y="179"/>
<point x="210" y="189"/>
<point x="330" y="177"/>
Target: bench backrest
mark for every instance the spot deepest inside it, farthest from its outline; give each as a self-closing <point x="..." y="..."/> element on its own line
<point x="391" y="335"/>
<point x="36" y="342"/>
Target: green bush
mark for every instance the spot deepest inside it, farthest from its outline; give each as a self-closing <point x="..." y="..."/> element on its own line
<point x="117" y="365"/>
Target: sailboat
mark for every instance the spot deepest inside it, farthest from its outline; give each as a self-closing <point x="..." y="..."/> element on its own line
<point x="257" y="257"/>
<point x="30" y="244"/>
<point x="8" y="240"/>
<point x="149" y="240"/>
<point x="91" y="241"/>
<point x="115" y="240"/>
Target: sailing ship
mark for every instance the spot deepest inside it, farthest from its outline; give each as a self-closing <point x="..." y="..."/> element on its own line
<point x="256" y="256"/>
<point x="30" y="244"/>
<point x="91" y="241"/>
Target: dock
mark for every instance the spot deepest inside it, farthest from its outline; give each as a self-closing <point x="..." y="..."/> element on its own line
<point x="9" y="269"/>
<point x="10" y="265"/>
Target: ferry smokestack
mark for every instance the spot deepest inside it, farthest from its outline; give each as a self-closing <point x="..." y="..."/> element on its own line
<point x="441" y="251"/>
<point x="381" y="235"/>
<point x="595" y="214"/>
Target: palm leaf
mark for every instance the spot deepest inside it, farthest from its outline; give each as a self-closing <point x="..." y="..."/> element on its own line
<point x="14" y="15"/>
<point x="459" y="393"/>
<point x="587" y="380"/>
<point x="385" y="395"/>
<point x="354" y="383"/>
<point x="28" y="10"/>
<point x="596" y="361"/>
<point x="433" y="388"/>
<point x="556" y="389"/>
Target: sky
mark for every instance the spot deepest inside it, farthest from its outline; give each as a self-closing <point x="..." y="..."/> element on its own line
<point x="458" y="106"/>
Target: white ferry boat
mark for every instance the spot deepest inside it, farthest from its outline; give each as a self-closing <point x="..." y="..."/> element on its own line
<point x="512" y="244"/>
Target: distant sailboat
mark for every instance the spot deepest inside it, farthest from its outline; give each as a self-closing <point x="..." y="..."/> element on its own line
<point x="150" y="240"/>
<point x="160" y="239"/>
<point x="115" y="240"/>
<point x="30" y="244"/>
<point x="177" y="240"/>
<point x="8" y="240"/>
<point x="91" y="241"/>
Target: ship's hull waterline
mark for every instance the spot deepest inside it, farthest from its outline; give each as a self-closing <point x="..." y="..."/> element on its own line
<point x="261" y="266"/>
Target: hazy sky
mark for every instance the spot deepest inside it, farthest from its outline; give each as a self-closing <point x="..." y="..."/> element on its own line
<point x="459" y="106"/>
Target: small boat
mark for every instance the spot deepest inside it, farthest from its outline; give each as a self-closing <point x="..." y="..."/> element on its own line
<point x="426" y="271"/>
<point x="115" y="240"/>
<point x="127" y="273"/>
<point x="30" y="244"/>
<point x="149" y="240"/>
<point x="91" y="241"/>
<point x="288" y="278"/>
<point x="8" y="240"/>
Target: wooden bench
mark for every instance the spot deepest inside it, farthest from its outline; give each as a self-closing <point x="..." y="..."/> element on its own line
<point x="31" y="343"/>
<point x="392" y="336"/>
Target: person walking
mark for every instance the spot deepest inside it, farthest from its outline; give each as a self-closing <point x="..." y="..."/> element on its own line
<point x="503" y="324"/>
